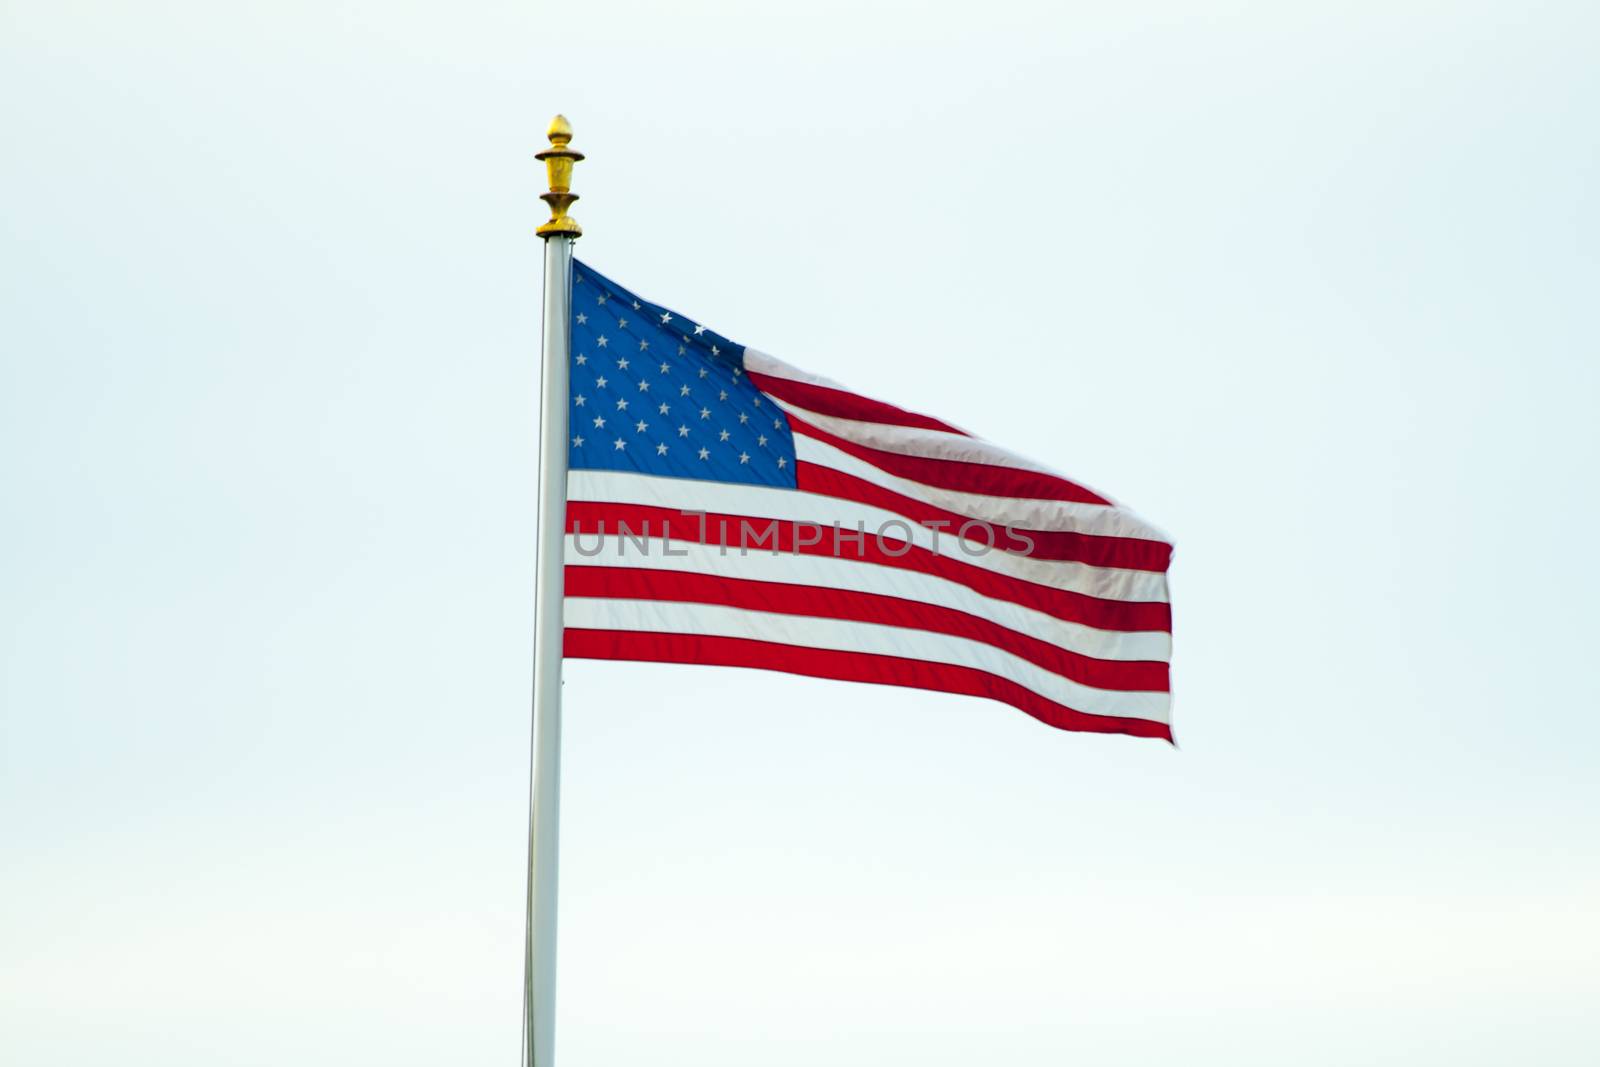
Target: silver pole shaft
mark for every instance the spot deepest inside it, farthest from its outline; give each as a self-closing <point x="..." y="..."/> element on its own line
<point x="539" y="978"/>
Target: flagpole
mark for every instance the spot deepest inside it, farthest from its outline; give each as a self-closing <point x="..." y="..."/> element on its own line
<point x="544" y="818"/>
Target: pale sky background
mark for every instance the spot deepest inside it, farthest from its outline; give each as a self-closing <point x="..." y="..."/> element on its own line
<point x="1311" y="286"/>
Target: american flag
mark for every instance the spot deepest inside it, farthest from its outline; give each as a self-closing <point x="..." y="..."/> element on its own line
<point x="726" y="508"/>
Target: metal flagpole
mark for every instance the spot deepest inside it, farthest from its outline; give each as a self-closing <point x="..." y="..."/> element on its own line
<point x="539" y="965"/>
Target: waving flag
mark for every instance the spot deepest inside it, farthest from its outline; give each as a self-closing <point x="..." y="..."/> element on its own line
<point x="726" y="508"/>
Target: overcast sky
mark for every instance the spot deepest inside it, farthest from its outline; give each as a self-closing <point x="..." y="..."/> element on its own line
<point x="1312" y="286"/>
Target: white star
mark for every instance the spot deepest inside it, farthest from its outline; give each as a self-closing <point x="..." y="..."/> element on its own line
<point x="662" y="409"/>
<point x="622" y="324"/>
<point x="744" y="417"/>
<point x="665" y="367"/>
<point x="622" y="403"/>
<point x="580" y="400"/>
<point x="643" y="345"/>
<point x="600" y="381"/>
<point x="620" y="444"/>
<point x="698" y="330"/>
<point x="601" y="340"/>
<point x="758" y="401"/>
<point x="582" y="318"/>
<point x="762" y="440"/>
<point x="783" y="461"/>
<point x="705" y="413"/>
<point x="644" y="386"/>
<point x="599" y="422"/>
<point x="722" y="394"/>
<point x="602" y="299"/>
<point x="777" y="424"/>
<point x="582" y="359"/>
<point x="703" y="372"/>
<point x="705" y="453"/>
<point x="723" y="436"/>
<point x="640" y="427"/>
<point x="715" y="351"/>
<point x="622" y="364"/>
<point x="683" y="431"/>
<point x="636" y="305"/>
<point x="666" y="317"/>
<point x="684" y="391"/>
<point x="661" y="450"/>
<point x="738" y="371"/>
<point x="577" y="442"/>
<point x="744" y="457"/>
<point x="681" y="350"/>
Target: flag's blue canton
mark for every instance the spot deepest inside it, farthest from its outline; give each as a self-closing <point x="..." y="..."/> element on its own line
<point x="657" y="393"/>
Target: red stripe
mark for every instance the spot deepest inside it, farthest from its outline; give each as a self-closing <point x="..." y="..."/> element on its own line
<point x="633" y="583"/>
<point x="1132" y="553"/>
<point x="845" y="666"/>
<point x="825" y="400"/>
<point x="758" y="534"/>
<point x="958" y="474"/>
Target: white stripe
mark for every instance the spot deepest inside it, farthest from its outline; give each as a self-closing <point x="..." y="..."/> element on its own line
<point x="917" y="442"/>
<point x="921" y="442"/>
<point x="1017" y="512"/>
<point x="906" y="440"/>
<point x="787" y="505"/>
<point x="760" y="363"/>
<point x="859" y="576"/>
<point x="804" y="631"/>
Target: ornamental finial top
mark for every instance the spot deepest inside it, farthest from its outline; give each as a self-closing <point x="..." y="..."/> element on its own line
<point x="558" y="161"/>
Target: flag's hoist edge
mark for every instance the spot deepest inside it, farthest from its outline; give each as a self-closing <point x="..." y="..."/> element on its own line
<point x="750" y="477"/>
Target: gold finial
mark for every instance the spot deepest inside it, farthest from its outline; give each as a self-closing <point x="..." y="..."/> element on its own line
<point x="558" y="161"/>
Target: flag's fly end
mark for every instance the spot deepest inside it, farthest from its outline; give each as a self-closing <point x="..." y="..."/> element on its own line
<point x="558" y="160"/>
